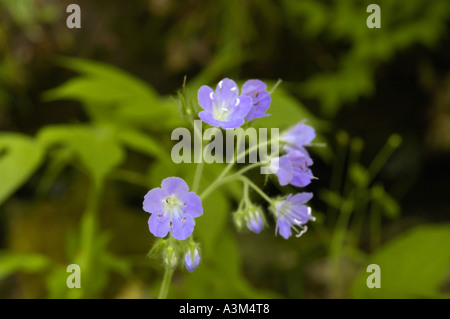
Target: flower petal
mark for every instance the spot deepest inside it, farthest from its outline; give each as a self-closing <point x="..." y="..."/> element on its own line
<point x="182" y="228"/>
<point x="253" y="87"/>
<point x="209" y="118"/>
<point x="301" y="198"/>
<point x="153" y="201"/>
<point x="159" y="225"/>
<point x="302" y="177"/>
<point x="234" y="122"/>
<point x="204" y="97"/>
<point x="260" y="106"/>
<point x="226" y="92"/>
<point x="255" y="224"/>
<point x="288" y="148"/>
<point x="242" y="108"/>
<point x="285" y="172"/>
<point x="284" y="228"/>
<point x="193" y="207"/>
<point x="174" y="185"/>
<point x="301" y="213"/>
<point x="300" y="134"/>
<point x="191" y="263"/>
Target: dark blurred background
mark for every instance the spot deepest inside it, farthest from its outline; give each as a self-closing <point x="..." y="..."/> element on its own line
<point x="363" y="85"/>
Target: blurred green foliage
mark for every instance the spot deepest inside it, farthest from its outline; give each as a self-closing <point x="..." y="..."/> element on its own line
<point x="413" y="266"/>
<point x="350" y="75"/>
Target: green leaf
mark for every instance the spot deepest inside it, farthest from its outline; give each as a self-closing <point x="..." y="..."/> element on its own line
<point x="286" y="111"/>
<point x="413" y="265"/>
<point x="28" y="263"/>
<point x="143" y="143"/>
<point x="20" y="156"/>
<point x="96" y="147"/>
<point x="110" y="94"/>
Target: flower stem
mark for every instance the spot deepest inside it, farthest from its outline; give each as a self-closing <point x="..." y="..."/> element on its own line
<point x="256" y="188"/>
<point x="166" y="283"/>
<point x="197" y="176"/>
<point x="337" y="243"/>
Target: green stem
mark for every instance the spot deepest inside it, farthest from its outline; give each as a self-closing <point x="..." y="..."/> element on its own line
<point x="375" y="227"/>
<point x="230" y="165"/>
<point x="338" y="168"/>
<point x="197" y="176"/>
<point x="246" y="198"/>
<point x="222" y="180"/>
<point x="256" y="188"/>
<point x="166" y="283"/>
<point x="87" y="238"/>
<point x="337" y="243"/>
<point x="380" y="160"/>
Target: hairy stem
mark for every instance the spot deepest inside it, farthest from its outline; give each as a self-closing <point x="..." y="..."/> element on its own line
<point x="165" y="283"/>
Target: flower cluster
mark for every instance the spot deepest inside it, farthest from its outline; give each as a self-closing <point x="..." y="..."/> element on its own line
<point x="293" y="168"/>
<point x="173" y="207"/>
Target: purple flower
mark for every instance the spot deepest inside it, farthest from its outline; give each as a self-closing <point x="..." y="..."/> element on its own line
<point x="191" y="262"/>
<point x="292" y="214"/>
<point x="254" y="220"/>
<point x="293" y="168"/>
<point x="261" y="99"/>
<point x="224" y="107"/>
<point x="172" y="208"/>
<point x="297" y="137"/>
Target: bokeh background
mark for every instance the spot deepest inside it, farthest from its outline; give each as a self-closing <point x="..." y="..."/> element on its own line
<point x="85" y="122"/>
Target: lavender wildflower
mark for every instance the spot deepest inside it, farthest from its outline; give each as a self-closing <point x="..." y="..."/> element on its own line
<point x="261" y="99"/>
<point x="290" y="213"/>
<point x="297" y="137"/>
<point x="172" y="208"/>
<point x="223" y="107"/>
<point x="293" y="168"/>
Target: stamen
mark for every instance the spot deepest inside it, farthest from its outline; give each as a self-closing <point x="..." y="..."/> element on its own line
<point x="184" y="203"/>
<point x="304" y="229"/>
<point x="237" y="102"/>
<point x="158" y="214"/>
<point x="183" y="220"/>
<point x="170" y="224"/>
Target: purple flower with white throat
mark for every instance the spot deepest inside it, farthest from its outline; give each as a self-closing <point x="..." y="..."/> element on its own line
<point x="191" y="261"/>
<point x="172" y="208"/>
<point x="297" y="137"/>
<point x="223" y="107"/>
<point x="261" y="99"/>
<point x="293" y="169"/>
<point x="291" y="213"/>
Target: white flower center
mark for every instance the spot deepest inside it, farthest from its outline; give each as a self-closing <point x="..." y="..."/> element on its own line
<point x="173" y="206"/>
<point x="221" y="112"/>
